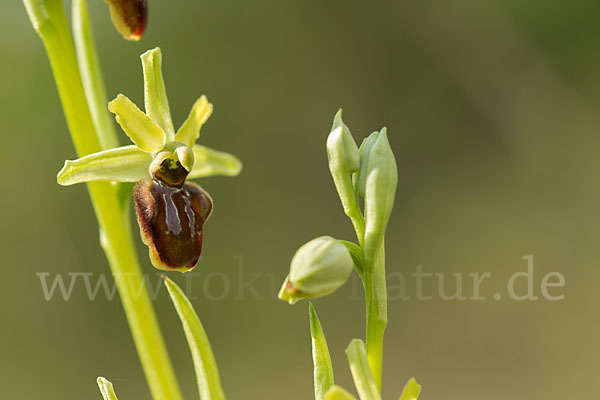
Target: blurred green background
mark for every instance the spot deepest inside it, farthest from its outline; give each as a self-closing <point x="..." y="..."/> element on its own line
<point x="492" y="108"/>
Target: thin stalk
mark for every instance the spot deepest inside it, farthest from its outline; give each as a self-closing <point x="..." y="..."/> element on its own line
<point x="374" y="281"/>
<point x="49" y="20"/>
<point x="358" y="221"/>
<point x="91" y="75"/>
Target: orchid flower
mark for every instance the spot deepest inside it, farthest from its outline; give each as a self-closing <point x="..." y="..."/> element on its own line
<point x="171" y="212"/>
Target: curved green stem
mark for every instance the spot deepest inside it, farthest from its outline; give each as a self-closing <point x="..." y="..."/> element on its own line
<point x="49" y="20"/>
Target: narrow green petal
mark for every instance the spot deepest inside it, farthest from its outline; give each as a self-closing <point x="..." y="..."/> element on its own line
<point x="208" y="162"/>
<point x="123" y="164"/>
<point x="361" y="373"/>
<point x="155" y="94"/>
<point x="106" y="388"/>
<point x="411" y="391"/>
<point x="338" y="393"/>
<point x="142" y="131"/>
<point x="207" y="374"/>
<point x="323" y="370"/>
<point x="190" y="130"/>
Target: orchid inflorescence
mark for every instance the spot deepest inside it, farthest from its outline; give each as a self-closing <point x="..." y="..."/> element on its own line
<point x="171" y="211"/>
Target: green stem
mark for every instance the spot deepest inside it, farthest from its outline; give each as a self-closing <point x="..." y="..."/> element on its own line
<point x="358" y="221"/>
<point x="49" y="20"/>
<point x="374" y="282"/>
<point x="91" y="76"/>
<point x="376" y="306"/>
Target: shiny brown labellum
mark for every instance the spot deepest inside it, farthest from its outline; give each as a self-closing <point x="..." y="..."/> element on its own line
<point x="171" y="221"/>
<point x="129" y="17"/>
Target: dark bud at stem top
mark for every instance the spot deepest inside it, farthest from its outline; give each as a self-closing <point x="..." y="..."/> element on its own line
<point x="129" y="17"/>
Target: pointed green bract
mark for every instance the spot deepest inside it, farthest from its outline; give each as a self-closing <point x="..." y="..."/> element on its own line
<point x="123" y="164"/>
<point x="155" y="95"/>
<point x="380" y="191"/>
<point x="361" y="373"/>
<point x="356" y="254"/>
<point x="338" y="393"/>
<point x="323" y="370"/>
<point x="208" y="162"/>
<point x="106" y="388"/>
<point x="190" y="130"/>
<point x="142" y="130"/>
<point x="207" y="374"/>
<point x="411" y="391"/>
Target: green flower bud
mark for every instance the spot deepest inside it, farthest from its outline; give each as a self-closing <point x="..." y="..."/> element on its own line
<point x="344" y="159"/>
<point x="317" y="269"/>
<point x="129" y="17"/>
<point x="379" y="172"/>
<point x="341" y="147"/>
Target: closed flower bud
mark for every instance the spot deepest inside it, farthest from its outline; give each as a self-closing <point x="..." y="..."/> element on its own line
<point x="380" y="175"/>
<point x="317" y="269"/>
<point x="341" y="147"/>
<point x="129" y="17"/>
<point x="171" y="220"/>
<point x="344" y="159"/>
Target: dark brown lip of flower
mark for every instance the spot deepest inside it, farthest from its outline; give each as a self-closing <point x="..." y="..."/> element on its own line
<point x="171" y="222"/>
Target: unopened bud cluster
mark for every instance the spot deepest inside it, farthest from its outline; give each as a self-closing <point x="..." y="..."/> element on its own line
<point x="324" y="264"/>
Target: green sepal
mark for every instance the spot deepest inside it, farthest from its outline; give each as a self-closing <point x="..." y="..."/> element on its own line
<point x="143" y="131"/>
<point x="106" y="388"/>
<point x="209" y="162"/>
<point x="380" y="191"/>
<point x="338" y="393"/>
<point x="361" y="372"/>
<point x="155" y="94"/>
<point x="323" y="370"/>
<point x="190" y="129"/>
<point x="411" y="391"/>
<point x="205" y="365"/>
<point x="123" y="164"/>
